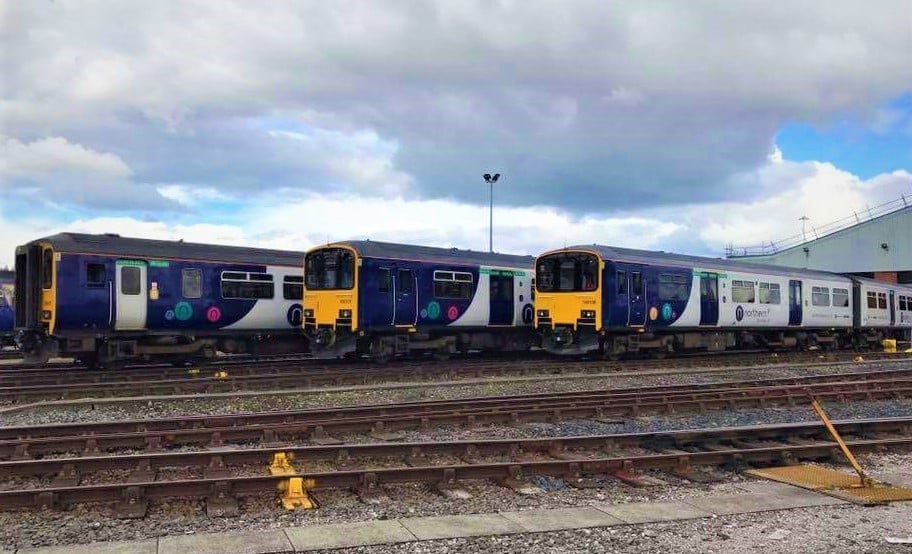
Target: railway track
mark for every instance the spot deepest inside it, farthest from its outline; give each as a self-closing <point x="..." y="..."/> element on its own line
<point x="43" y="384"/>
<point x="384" y="419"/>
<point x="442" y="463"/>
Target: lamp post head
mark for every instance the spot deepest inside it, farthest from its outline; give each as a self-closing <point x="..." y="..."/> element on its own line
<point x="491" y="179"/>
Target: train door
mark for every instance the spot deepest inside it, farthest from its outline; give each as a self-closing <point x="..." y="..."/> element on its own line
<point x="637" y="298"/>
<point x="501" y="299"/>
<point x="406" y="297"/>
<point x="132" y="297"/>
<point x="709" y="299"/>
<point x="383" y="301"/>
<point x="892" y="308"/>
<point x="795" y="302"/>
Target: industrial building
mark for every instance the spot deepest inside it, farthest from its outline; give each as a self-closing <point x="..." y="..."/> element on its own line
<point x="875" y="243"/>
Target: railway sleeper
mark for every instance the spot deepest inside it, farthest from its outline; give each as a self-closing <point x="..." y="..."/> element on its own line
<point x="133" y="504"/>
<point x="221" y="502"/>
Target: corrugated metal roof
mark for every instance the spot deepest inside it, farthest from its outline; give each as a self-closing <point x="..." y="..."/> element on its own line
<point x="720" y="264"/>
<point x="115" y="245"/>
<point x="389" y="250"/>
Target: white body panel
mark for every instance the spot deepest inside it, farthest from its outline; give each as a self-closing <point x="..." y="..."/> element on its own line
<point x="270" y="313"/>
<point x="479" y="310"/>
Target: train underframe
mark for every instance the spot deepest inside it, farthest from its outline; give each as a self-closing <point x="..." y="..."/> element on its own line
<point x="109" y="351"/>
<point x="381" y="345"/>
<point x="564" y="340"/>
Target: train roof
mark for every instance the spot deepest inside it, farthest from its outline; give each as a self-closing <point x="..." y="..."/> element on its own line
<point x="115" y="245"/>
<point x="665" y="258"/>
<point x="884" y="284"/>
<point x="389" y="250"/>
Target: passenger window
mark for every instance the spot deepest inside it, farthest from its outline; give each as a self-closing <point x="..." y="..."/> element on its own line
<point x="95" y="275"/>
<point x="881" y="301"/>
<point x="247" y="285"/>
<point x="622" y="282"/>
<point x="872" y="300"/>
<point x="820" y="296"/>
<point x="192" y="283"/>
<point x="637" y="283"/>
<point x="841" y="298"/>
<point x="383" y="280"/>
<point x="130" y="280"/>
<point x="743" y="292"/>
<point x="293" y="287"/>
<point x="405" y="281"/>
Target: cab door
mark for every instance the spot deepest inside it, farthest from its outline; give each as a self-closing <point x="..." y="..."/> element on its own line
<point x="131" y="293"/>
<point x="795" y="309"/>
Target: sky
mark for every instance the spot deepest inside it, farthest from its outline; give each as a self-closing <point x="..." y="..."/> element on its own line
<point x="666" y="125"/>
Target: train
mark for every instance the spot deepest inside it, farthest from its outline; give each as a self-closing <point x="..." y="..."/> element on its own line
<point x="617" y="301"/>
<point x="378" y="299"/>
<point x="106" y="300"/>
<point x="7" y="312"/>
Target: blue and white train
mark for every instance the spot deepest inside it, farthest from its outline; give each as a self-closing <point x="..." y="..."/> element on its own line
<point x="381" y="300"/>
<point x="618" y="301"/>
<point x="105" y="299"/>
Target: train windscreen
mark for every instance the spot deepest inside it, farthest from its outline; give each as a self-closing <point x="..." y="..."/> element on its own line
<point x="330" y="269"/>
<point x="567" y="272"/>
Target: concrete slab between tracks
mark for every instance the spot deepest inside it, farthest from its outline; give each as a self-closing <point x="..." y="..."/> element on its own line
<point x="758" y="496"/>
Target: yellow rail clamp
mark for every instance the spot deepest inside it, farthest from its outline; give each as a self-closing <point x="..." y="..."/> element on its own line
<point x="281" y="464"/>
<point x="221" y="374"/>
<point x="859" y="488"/>
<point x="193" y="371"/>
<point x="889" y="346"/>
<point x="294" y="493"/>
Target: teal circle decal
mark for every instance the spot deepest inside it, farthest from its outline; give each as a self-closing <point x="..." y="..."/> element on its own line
<point x="666" y="311"/>
<point x="433" y="310"/>
<point x="183" y="311"/>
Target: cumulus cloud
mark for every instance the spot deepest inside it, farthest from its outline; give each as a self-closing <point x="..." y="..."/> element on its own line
<point x="51" y="156"/>
<point x="591" y="106"/>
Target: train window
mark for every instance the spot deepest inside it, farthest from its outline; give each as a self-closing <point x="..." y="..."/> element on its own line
<point x="841" y="298"/>
<point x="95" y="275"/>
<point x="673" y="287"/>
<point x="567" y="271"/>
<point x="902" y="303"/>
<point x="47" y="268"/>
<point x="240" y="286"/>
<point x="405" y="281"/>
<point x="872" y="300"/>
<point x="450" y="284"/>
<point x="881" y="300"/>
<point x="383" y="280"/>
<point x="130" y="280"/>
<point x="260" y="277"/>
<point x="743" y="292"/>
<point x="293" y="287"/>
<point x="637" y="284"/>
<point x="192" y="283"/>
<point x="622" y="282"/>
<point x="820" y="296"/>
<point x="769" y="293"/>
<point x="330" y="269"/>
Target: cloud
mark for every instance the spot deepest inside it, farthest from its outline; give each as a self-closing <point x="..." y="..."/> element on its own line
<point x="47" y="157"/>
<point x="590" y="106"/>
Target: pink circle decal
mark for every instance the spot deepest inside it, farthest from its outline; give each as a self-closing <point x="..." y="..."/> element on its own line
<point x="452" y="312"/>
<point x="213" y="314"/>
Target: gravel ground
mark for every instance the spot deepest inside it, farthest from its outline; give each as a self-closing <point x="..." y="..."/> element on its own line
<point x="170" y="408"/>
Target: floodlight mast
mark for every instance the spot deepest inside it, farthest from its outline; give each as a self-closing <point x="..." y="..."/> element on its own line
<point x="491" y="179"/>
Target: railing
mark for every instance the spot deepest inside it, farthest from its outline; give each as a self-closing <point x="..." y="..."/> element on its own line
<point x="815" y="232"/>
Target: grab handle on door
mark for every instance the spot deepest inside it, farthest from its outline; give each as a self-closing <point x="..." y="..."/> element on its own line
<point x="110" y="303"/>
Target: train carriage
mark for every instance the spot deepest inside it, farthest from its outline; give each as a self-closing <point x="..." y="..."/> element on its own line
<point x="381" y="299"/>
<point x="7" y="313"/>
<point x="105" y="299"/>
<point x="617" y="301"/>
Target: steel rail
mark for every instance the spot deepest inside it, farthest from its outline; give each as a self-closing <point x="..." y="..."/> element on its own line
<point x="385" y="418"/>
<point x="569" y="466"/>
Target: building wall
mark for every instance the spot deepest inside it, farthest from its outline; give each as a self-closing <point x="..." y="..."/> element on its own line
<point x="858" y="249"/>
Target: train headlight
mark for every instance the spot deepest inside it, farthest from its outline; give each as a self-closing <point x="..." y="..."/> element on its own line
<point x="543" y="313"/>
<point x="345" y="314"/>
<point x="46" y="314"/>
<point x="587" y="314"/>
<point x="308" y="313"/>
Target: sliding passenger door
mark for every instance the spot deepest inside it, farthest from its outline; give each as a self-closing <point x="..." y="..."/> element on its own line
<point x="795" y="312"/>
<point x="892" y="308"/>
<point x="132" y="295"/>
<point x="501" y="299"/>
<point x="637" y="298"/>
<point x="709" y="299"/>
<point x="406" y="297"/>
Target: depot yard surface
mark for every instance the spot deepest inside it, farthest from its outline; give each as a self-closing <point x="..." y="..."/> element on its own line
<point x="830" y="526"/>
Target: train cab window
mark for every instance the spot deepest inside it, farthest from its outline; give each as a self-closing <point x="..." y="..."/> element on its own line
<point x="820" y="296"/>
<point x="567" y="272"/>
<point x="329" y="269"/>
<point x="293" y="287"/>
<point x="130" y="278"/>
<point x="673" y="287"/>
<point x="743" y="292"/>
<point x="622" y="282"/>
<point x="881" y="301"/>
<point x="637" y="284"/>
<point x="192" y="283"/>
<point x="841" y="298"/>
<point x="383" y="280"/>
<point x="47" y="268"/>
<point x="247" y="286"/>
<point x="95" y="275"/>
<point x="872" y="300"/>
<point x="406" y="281"/>
<point x="452" y="284"/>
<point x="769" y="293"/>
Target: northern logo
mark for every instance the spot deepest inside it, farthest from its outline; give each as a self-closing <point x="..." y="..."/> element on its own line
<point x="739" y="313"/>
